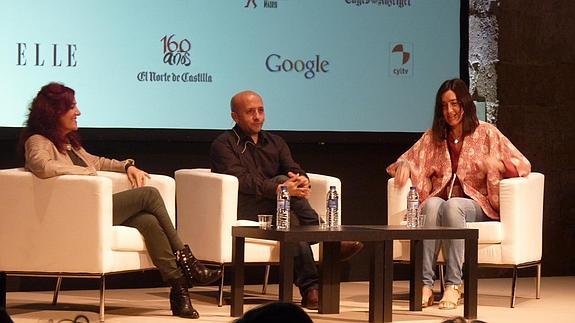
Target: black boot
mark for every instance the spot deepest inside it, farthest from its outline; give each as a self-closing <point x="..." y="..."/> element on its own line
<point x="180" y="302"/>
<point x="194" y="270"/>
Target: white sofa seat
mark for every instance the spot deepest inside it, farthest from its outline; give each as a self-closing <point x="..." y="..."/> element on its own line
<point x="489" y="232"/>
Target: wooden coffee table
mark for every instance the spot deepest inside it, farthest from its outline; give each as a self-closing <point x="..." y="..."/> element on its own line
<point x="379" y="241"/>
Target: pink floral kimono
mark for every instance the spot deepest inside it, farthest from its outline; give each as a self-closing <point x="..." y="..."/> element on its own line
<point x="431" y="172"/>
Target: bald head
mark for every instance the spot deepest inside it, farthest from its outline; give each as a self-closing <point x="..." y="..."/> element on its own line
<point x="240" y="99"/>
<point x="248" y="112"/>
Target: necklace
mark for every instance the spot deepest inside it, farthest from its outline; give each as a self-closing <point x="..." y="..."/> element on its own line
<point x="67" y="146"/>
<point x="455" y="140"/>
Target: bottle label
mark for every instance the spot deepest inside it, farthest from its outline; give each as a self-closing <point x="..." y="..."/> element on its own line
<point x="332" y="203"/>
<point x="283" y="204"/>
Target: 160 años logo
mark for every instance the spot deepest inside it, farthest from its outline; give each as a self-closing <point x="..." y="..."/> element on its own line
<point x="176" y="52"/>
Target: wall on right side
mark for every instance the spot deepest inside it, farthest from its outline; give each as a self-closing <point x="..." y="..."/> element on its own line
<point x="483" y="54"/>
<point x="536" y="93"/>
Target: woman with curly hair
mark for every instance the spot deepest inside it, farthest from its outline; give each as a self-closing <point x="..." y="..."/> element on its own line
<point x="52" y="147"/>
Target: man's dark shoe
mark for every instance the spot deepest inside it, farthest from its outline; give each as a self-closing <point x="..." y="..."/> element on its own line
<point x="311" y="299"/>
<point x="349" y="249"/>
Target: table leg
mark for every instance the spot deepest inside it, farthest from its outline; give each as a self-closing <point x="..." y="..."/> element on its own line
<point x="237" y="302"/>
<point x="286" y="271"/>
<point x="376" y="285"/>
<point x="416" y="274"/>
<point x="329" y="276"/>
<point x="470" y="279"/>
<point x="3" y="289"/>
<point x="387" y="280"/>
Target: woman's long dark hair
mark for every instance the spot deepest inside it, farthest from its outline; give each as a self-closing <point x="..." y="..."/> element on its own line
<point x="51" y="102"/>
<point x="470" y="122"/>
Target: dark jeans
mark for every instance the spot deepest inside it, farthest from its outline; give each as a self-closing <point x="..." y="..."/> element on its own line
<point x="143" y="208"/>
<point x="306" y="274"/>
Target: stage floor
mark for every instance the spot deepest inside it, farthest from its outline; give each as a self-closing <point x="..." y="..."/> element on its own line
<point x="152" y="305"/>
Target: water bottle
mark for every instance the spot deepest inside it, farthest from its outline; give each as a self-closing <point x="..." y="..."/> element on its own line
<point x="283" y="208"/>
<point x="332" y="208"/>
<point x="412" y="208"/>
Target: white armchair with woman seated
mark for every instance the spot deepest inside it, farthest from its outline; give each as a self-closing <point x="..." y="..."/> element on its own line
<point x="457" y="167"/>
<point x="63" y="227"/>
<point x="515" y="241"/>
<point x="55" y="155"/>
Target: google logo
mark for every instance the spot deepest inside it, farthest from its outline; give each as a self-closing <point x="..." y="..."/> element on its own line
<point x="311" y="67"/>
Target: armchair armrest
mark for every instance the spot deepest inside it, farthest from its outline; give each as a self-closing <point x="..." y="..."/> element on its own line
<point x="45" y="223"/>
<point x="521" y="212"/>
<point x="396" y="201"/>
<point x="207" y="209"/>
<point x="319" y="187"/>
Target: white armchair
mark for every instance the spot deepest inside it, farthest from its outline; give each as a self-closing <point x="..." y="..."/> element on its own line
<point x="62" y="226"/>
<point x="207" y="209"/>
<point x="514" y="242"/>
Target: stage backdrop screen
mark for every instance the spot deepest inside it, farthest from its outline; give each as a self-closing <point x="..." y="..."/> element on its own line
<point x="320" y="65"/>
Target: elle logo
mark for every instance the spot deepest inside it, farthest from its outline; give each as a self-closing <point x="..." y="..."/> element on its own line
<point x="36" y="55"/>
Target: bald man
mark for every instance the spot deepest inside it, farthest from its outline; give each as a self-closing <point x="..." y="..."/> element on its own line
<point x="262" y="162"/>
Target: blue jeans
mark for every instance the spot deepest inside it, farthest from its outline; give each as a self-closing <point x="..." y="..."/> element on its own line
<point x="454" y="212"/>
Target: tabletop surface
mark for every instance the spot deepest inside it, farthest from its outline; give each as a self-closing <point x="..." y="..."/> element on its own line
<point x="354" y="232"/>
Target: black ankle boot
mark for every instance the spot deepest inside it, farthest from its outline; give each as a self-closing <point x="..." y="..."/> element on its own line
<point x="180" y="302"/>
<point x="194" y="270"/>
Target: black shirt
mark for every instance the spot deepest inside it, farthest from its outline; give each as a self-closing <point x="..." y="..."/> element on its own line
<point x="255" y="165"/>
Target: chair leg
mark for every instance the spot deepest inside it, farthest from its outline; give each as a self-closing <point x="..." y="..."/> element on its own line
<point x="102" y="289"/>
<point x="57" y="290"/>
<point x="441" y="278"/>
<point x="513" y="286"/>
<point x="266" y="278"/>
<point x="538" y="282"/>
<point x="221" y="289"/>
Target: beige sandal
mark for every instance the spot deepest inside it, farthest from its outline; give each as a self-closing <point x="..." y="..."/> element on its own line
<point x="426" y="297"/>
<point x="451" y="297"/>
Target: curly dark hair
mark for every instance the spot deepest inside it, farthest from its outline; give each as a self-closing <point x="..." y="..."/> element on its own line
<point x="52" y="101"/>
<point x="470" y="121"/>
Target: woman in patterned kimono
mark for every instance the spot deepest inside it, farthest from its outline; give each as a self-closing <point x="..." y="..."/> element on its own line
<point x="456" y="167"/>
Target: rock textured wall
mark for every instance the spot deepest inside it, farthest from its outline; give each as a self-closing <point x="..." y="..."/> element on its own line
<point x="483" y="53"/>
